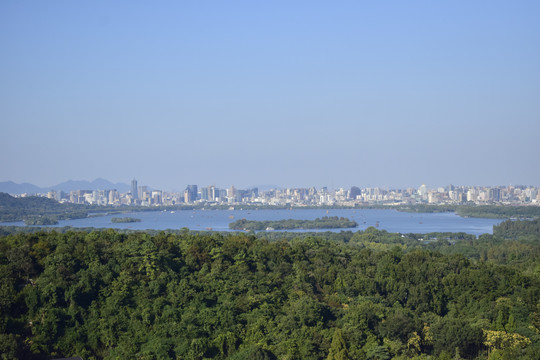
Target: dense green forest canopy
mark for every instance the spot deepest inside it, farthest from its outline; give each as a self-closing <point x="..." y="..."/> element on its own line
<point x="350" y="295"/>
<point x="513" y="229"/>
<point x="326" y="222"/>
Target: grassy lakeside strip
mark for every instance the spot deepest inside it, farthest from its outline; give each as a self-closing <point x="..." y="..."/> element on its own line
<point x="125" y="220"/>
<point x="499" y="212"/>
<point x="326" y="222"/>
<point x="476" y="211"/>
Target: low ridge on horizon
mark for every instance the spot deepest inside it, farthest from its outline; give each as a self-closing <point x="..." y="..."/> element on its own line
<point x="12" y="187"/>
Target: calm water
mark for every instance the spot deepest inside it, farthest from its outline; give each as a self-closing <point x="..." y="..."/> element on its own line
<point x="218" y="220"/>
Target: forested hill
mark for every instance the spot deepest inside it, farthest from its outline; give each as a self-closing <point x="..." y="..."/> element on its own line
<point x="17" y="209"/>
<point x="31" y="202"/>
<point x="109" y="295"/>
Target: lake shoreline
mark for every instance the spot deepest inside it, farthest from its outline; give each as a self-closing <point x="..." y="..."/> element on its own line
<point x="390" y="220"/>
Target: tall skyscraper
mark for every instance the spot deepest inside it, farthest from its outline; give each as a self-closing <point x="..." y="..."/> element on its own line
<point x="204" y="193"/>
<point x="143" y="191"/>
<point x="494" y="194"/>
<point x="232" y="192"/>
<point x="191" y="192"/>
<point x="134" y="190"/>
<point x="354" y="192"/>
<point x="213" y="193"/>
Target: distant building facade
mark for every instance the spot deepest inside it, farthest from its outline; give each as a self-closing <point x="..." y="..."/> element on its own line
<point x="134" y="190"/>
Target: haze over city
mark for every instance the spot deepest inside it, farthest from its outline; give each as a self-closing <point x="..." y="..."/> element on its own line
<point x="290" y="94"/>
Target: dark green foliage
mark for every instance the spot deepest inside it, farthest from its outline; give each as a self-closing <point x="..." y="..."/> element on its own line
<point x="253" y="352"/>
<point x="41" y="220"/>
<point x="512" y="229"/>
<point x="107" y="294"/>
<point x="125" y="220"/>
<point x="332" y="222"/>
<point x="456" y="336"/>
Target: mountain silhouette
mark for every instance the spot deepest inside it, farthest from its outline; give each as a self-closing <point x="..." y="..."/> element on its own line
<point x="98" y="184"/>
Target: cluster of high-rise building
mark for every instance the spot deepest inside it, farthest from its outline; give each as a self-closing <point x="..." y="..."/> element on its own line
<point x="211" y="195"/>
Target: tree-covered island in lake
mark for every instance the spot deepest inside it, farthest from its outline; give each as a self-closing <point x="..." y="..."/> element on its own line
<point x="41" y="220"/>
<point x="332" y="222"/>
<point x="124" y="220"/>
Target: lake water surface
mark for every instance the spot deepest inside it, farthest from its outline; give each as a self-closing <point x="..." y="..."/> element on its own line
<point x="218" y="220"/>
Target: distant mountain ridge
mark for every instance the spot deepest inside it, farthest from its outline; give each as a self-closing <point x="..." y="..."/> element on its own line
<point x="98" y="184"/>
<point x="10" y="187"/>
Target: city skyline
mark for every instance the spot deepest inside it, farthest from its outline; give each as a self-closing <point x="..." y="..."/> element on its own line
<point x="294" y="94"/>
<point x="143" y="195"/>
<point x="134" y="183"/>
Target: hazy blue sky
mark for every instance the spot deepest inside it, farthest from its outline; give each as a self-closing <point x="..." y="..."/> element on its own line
<point x="292" y="93"/>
